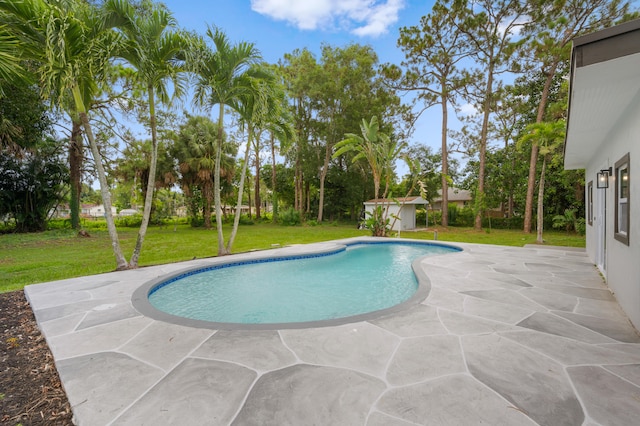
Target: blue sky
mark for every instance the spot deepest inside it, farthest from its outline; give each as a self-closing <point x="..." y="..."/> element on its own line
<point x="280" y="26"/>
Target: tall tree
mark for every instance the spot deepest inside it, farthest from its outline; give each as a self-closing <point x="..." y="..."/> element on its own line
<point x="222" y="78"/>
<point x="253" y="108"/>
<point x="330" y="96"/>
<point x="433" y="51"/>
<point x="73" y="43"/>
<point x="348" y="89"/>
<point x="553" y="26"/>
<point x="260" y="109"/>
<point x="300" y="70"/>
<point x="506" y="126"/>
<point x="491" y="29"/>
<point x="157" y="51"/>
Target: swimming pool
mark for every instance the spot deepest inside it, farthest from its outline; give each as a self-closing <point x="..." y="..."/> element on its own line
<point x="340" y="285"/>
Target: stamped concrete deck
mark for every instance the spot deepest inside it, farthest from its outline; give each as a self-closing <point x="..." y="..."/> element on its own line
<point x="507" y="336"/>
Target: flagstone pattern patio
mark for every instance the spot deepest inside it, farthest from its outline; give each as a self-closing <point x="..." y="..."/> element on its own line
<point x="507" y="336"/>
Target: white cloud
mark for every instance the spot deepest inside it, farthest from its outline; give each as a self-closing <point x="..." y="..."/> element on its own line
<point x="360" y="17"/>
<point x="468" y="110"/>
<point x="513" y="25"/>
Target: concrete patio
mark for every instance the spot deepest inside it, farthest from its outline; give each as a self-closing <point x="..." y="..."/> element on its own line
<point x="507" y="336"/>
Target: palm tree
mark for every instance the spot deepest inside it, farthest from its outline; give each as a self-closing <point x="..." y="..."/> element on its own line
<point x="156" y="51"/>
<point x="380" y="151"/>
<point x="548" y="137"/>
<point x="262" y="108"/>
<point x="10" y="55"/>
<point x="73" y="44"/>
<point x="222" y="78"/>
<point x="195" y="148"/>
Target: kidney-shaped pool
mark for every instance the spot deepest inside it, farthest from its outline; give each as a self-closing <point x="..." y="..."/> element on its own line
<point x="314" y="289"/>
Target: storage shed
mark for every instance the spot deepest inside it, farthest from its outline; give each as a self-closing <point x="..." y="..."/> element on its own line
<point x="403" y="208"/>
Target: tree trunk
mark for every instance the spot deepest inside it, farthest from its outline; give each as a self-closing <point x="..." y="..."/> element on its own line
<point x="480" y="199"/>
<point x="249" y="202"/>
<point x="75" y="172"/>
<point x="307" y="190"/>
<point x="533" y="161"/>
<point x="216" y="185"/>
<point x="511" y="201"/>
<point x="445" y="160"/>
<point x="121" y="262"/>
<point x="323" y="175"/>
<point x="531" y="184"/>
<point x="256" y="192"/>
<point x="151" y="182"/>
<point x="539" y="239"/>
<point x="274" y="201"/>
<point x="298" y="187"/>
<point x="206" y="209"/>
<point x="243" y="174"/>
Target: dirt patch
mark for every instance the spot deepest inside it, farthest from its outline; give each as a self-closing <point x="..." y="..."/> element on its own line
<point x="30" y="389"/>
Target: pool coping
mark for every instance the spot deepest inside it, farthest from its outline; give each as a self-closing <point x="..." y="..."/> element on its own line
<point x="140" y="297"/>
<point x="494" y="342"/>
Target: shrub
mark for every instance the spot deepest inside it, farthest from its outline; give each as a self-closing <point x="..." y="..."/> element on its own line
<point x="463" y="217"/>
<point x="246" y="220"/>
<point x="566" y="221"/>
<point x="133" y="221"/>
<point x="289" y="217"/>
<point x="30" y="186"/>
<point x="58" y="224"/>
<point x="452" y="214"/>
<point x="377" y="223"/>
<point x="435" y="217"/>
<point x="503" y="222"/>
<point x="196" y="221"/>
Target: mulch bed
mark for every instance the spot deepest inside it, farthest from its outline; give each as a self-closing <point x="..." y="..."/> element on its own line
<point x="30" y="389"/>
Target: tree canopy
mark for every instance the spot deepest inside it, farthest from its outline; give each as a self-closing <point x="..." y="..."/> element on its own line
<point x="332" y="124"/>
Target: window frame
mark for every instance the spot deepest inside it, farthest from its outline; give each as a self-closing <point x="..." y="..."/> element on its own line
<point x="621" y="165"/>
<point x="590" y="203"/>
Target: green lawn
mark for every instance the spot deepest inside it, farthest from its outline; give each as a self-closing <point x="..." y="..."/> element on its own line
<point x="54" y="255"/>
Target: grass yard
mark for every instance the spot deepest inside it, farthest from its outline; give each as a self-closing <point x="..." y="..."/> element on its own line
<point x="59" y="254"/>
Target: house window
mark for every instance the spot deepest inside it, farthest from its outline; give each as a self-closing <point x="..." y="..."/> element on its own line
<point x="590" y="203"/>
<point x="622" y="200"/>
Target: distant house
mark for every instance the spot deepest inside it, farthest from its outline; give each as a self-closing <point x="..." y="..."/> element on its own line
<point x="406" y="211"/>
<point x="460" y="197"/>
<point x="99" y="211"/>
<point x="603" y="137"/>
<point x="85" y="209"/>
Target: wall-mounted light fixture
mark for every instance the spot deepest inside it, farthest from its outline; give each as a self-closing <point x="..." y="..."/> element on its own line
<point x="603" y="178"/>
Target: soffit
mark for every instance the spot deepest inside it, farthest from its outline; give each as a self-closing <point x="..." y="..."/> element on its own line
<point x="600" y="93"/>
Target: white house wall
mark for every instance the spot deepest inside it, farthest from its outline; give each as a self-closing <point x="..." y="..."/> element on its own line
<point x="622" y="261"/>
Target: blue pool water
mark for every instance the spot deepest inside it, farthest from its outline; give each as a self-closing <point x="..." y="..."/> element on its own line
<point x="363" y="278"/>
